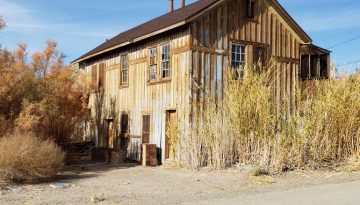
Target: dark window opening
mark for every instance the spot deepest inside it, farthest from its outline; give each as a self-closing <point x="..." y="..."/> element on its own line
<point x="250" y="9"/>
<point x="102" y="75"/>
<point x="314" y="67"/>
<point x="324" y="66"/>
<point x="259" y="58"/>
<point x="124" y="126"/>
<point x="305" y="67"/>
<point x="124" y="130"/>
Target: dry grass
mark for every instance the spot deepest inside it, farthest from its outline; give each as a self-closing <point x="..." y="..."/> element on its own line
<point x="245" y="127"/>
<point x="28" y="158"/>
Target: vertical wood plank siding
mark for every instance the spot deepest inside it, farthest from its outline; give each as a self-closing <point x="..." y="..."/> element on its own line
<point x="228" y="23"/>
<point x="140" y="97"/>
<point x="200" y="56"/>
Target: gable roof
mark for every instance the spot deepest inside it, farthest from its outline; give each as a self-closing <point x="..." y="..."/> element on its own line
<point x="297" y="28"/>
<point x="154" y="25"/>
<point x="170" y="21"/>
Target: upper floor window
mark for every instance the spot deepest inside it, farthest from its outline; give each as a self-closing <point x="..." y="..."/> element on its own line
<point x="250" y="9"/>
<point x="153" y="58"/>
<point x="124" y="69"/>
<point x="238" y="59"/>
<point x="102" y="74"/>
<point x="165" y="61"/>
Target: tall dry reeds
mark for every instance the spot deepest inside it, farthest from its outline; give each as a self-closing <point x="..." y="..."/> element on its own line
<point x="246" y="127"/>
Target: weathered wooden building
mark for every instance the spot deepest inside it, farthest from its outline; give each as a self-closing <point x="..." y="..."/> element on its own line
<point x="149" y="76"/>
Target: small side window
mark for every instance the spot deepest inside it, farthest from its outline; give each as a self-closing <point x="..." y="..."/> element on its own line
<point x="260" y="57"/>
<point x="250" y="9"/>
<point x="124" y="70"/>
<point x="165" y="61"/>
<point x="238" y="59"/>
<point x="102" y="74"/>
<point x="153" y="55"/>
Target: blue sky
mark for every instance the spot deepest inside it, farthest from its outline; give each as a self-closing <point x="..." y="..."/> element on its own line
<point x="80" y="25"/>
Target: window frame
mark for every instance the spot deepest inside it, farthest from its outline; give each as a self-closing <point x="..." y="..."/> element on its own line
<point x="165" y="60"/>
<point x="241" y="54"/>
<point x="124" y="67"/>
<point x="250" y="14"/>
<point x="155" y="64"/>
<point x="262" y="55"/>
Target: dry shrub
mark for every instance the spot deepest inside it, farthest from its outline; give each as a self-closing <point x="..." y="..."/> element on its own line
<point x="246" y="127"/>
<point x="204" y="143"/>
<point x="172" y="131"/>
<point x="3" y="125"/>
<point x="42" y="95"/>
<point x="28" y="158"/>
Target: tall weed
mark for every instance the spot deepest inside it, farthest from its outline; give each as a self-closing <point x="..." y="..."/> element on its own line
<point x="246" y="127"/>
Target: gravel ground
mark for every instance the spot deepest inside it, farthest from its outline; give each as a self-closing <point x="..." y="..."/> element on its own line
<point x="132" y="184"/>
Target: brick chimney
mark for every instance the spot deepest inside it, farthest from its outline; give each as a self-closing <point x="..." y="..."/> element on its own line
<point x="171" y="6"/>
<point x="182" y="3"/>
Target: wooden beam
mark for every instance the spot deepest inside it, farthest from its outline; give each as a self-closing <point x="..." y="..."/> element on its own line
<point x="138" y="61"/>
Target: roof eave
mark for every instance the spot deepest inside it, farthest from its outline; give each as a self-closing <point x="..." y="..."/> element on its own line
<point x="133" y="41"/>
<point x="302" y="34"/>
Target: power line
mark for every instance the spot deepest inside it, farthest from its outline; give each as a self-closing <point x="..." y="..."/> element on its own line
<point x="350" y="63"/>
<point x="344" y="42"/>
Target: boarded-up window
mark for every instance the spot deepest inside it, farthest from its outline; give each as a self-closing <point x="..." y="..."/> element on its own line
<point x="124" y="70"/>
<point x="153" y="55"/>
<point x="146" y="129"/>
<point x="94" y="76"/>
<point x="165" y="61"/>
<point x="102" y="75"/>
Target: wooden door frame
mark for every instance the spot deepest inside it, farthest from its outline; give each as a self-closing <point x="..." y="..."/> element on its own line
<point x="144" y="113"/>
<point x="108" y="121"/>
<point x="167" y="116"/>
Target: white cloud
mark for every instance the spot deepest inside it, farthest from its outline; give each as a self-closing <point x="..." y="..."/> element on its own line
<point x="21" y="19"/>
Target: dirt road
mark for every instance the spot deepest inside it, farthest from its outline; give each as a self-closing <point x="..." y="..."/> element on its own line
<point x="132" y="184"/>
